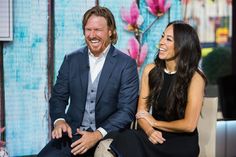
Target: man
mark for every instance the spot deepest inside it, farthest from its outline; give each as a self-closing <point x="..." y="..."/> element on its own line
<point x="101" y="84"/>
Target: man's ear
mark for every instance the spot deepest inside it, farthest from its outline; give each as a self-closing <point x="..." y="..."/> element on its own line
<point x="110" y="33"/>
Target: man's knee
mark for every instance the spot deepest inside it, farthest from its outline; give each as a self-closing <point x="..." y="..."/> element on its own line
<point x="59" y="147"/>
<point x="44" y="153"/>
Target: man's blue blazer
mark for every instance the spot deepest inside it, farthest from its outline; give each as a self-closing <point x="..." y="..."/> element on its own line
<point x="117" y="92"/>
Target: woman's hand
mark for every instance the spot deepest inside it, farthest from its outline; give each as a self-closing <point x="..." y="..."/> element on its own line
<point x="155" y="136"/>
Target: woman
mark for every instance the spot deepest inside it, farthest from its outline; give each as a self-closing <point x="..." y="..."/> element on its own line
<point x="173" y="86"/>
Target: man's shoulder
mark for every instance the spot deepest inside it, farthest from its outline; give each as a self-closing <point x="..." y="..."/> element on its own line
<point x="77" y="52"/>
<point x="74" y="55"/>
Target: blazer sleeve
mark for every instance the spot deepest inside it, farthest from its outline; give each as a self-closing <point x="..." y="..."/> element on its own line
<point x="60" y="93"/>
<point x="127" y="99"/>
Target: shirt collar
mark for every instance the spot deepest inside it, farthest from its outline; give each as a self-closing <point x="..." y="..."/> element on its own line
<point x="103" y="54"/>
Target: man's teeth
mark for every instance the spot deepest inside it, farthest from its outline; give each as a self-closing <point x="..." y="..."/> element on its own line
<point x="94" y="41"/>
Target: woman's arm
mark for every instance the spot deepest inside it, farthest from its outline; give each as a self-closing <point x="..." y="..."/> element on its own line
<point x="142" y="105"/>
<point x="154" y="136"/>
<point x="192" y="112"/>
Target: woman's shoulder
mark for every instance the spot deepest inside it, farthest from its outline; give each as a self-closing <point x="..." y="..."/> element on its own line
<point x="148" y="68"/>
<point x="199" y="75"/>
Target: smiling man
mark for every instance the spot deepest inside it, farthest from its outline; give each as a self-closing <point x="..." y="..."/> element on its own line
<point x="101" y="83"/>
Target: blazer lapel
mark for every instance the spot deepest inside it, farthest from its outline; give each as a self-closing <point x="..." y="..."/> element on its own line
<point x="84" y="70"/>
<point x="106" y="71"/>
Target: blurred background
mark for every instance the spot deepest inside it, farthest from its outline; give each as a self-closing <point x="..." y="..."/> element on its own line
<point x="36" y="34"/>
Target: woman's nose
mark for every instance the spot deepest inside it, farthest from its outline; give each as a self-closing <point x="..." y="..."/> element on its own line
<point x="161" y="41"/>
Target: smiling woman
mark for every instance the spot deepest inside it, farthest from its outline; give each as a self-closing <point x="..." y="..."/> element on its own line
<point x="175" y="97"/>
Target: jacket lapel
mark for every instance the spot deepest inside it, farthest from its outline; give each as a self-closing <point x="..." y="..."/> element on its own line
<point x="84" y="70"/>
<point x="106" y="71"/>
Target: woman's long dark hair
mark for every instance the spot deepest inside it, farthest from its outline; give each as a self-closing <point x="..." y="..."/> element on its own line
<point x="187" y="55"/>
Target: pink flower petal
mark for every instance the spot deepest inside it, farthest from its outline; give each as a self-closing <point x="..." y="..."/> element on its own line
<point x="143" y="54"/>
<point x="2" y="129"/>
<point x="167" y="6"/>
<point x="133" y="47"/>
<point x="134" y="13"/>
<point x="157" y="7"/>
<point x="152" y="11"/>
<point x="161" y="6"/>
<point x="140" y="20"/>
<point x="125" y="15"/>
<point x="150" y="3"/>
<point x="153" y="6"/>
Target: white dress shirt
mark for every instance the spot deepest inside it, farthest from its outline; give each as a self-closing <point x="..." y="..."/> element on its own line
<point x="96" y="63"/>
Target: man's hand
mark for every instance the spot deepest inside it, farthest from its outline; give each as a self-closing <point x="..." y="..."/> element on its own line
<point x="61" y="127"/>
<point x="87" y="141"/>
